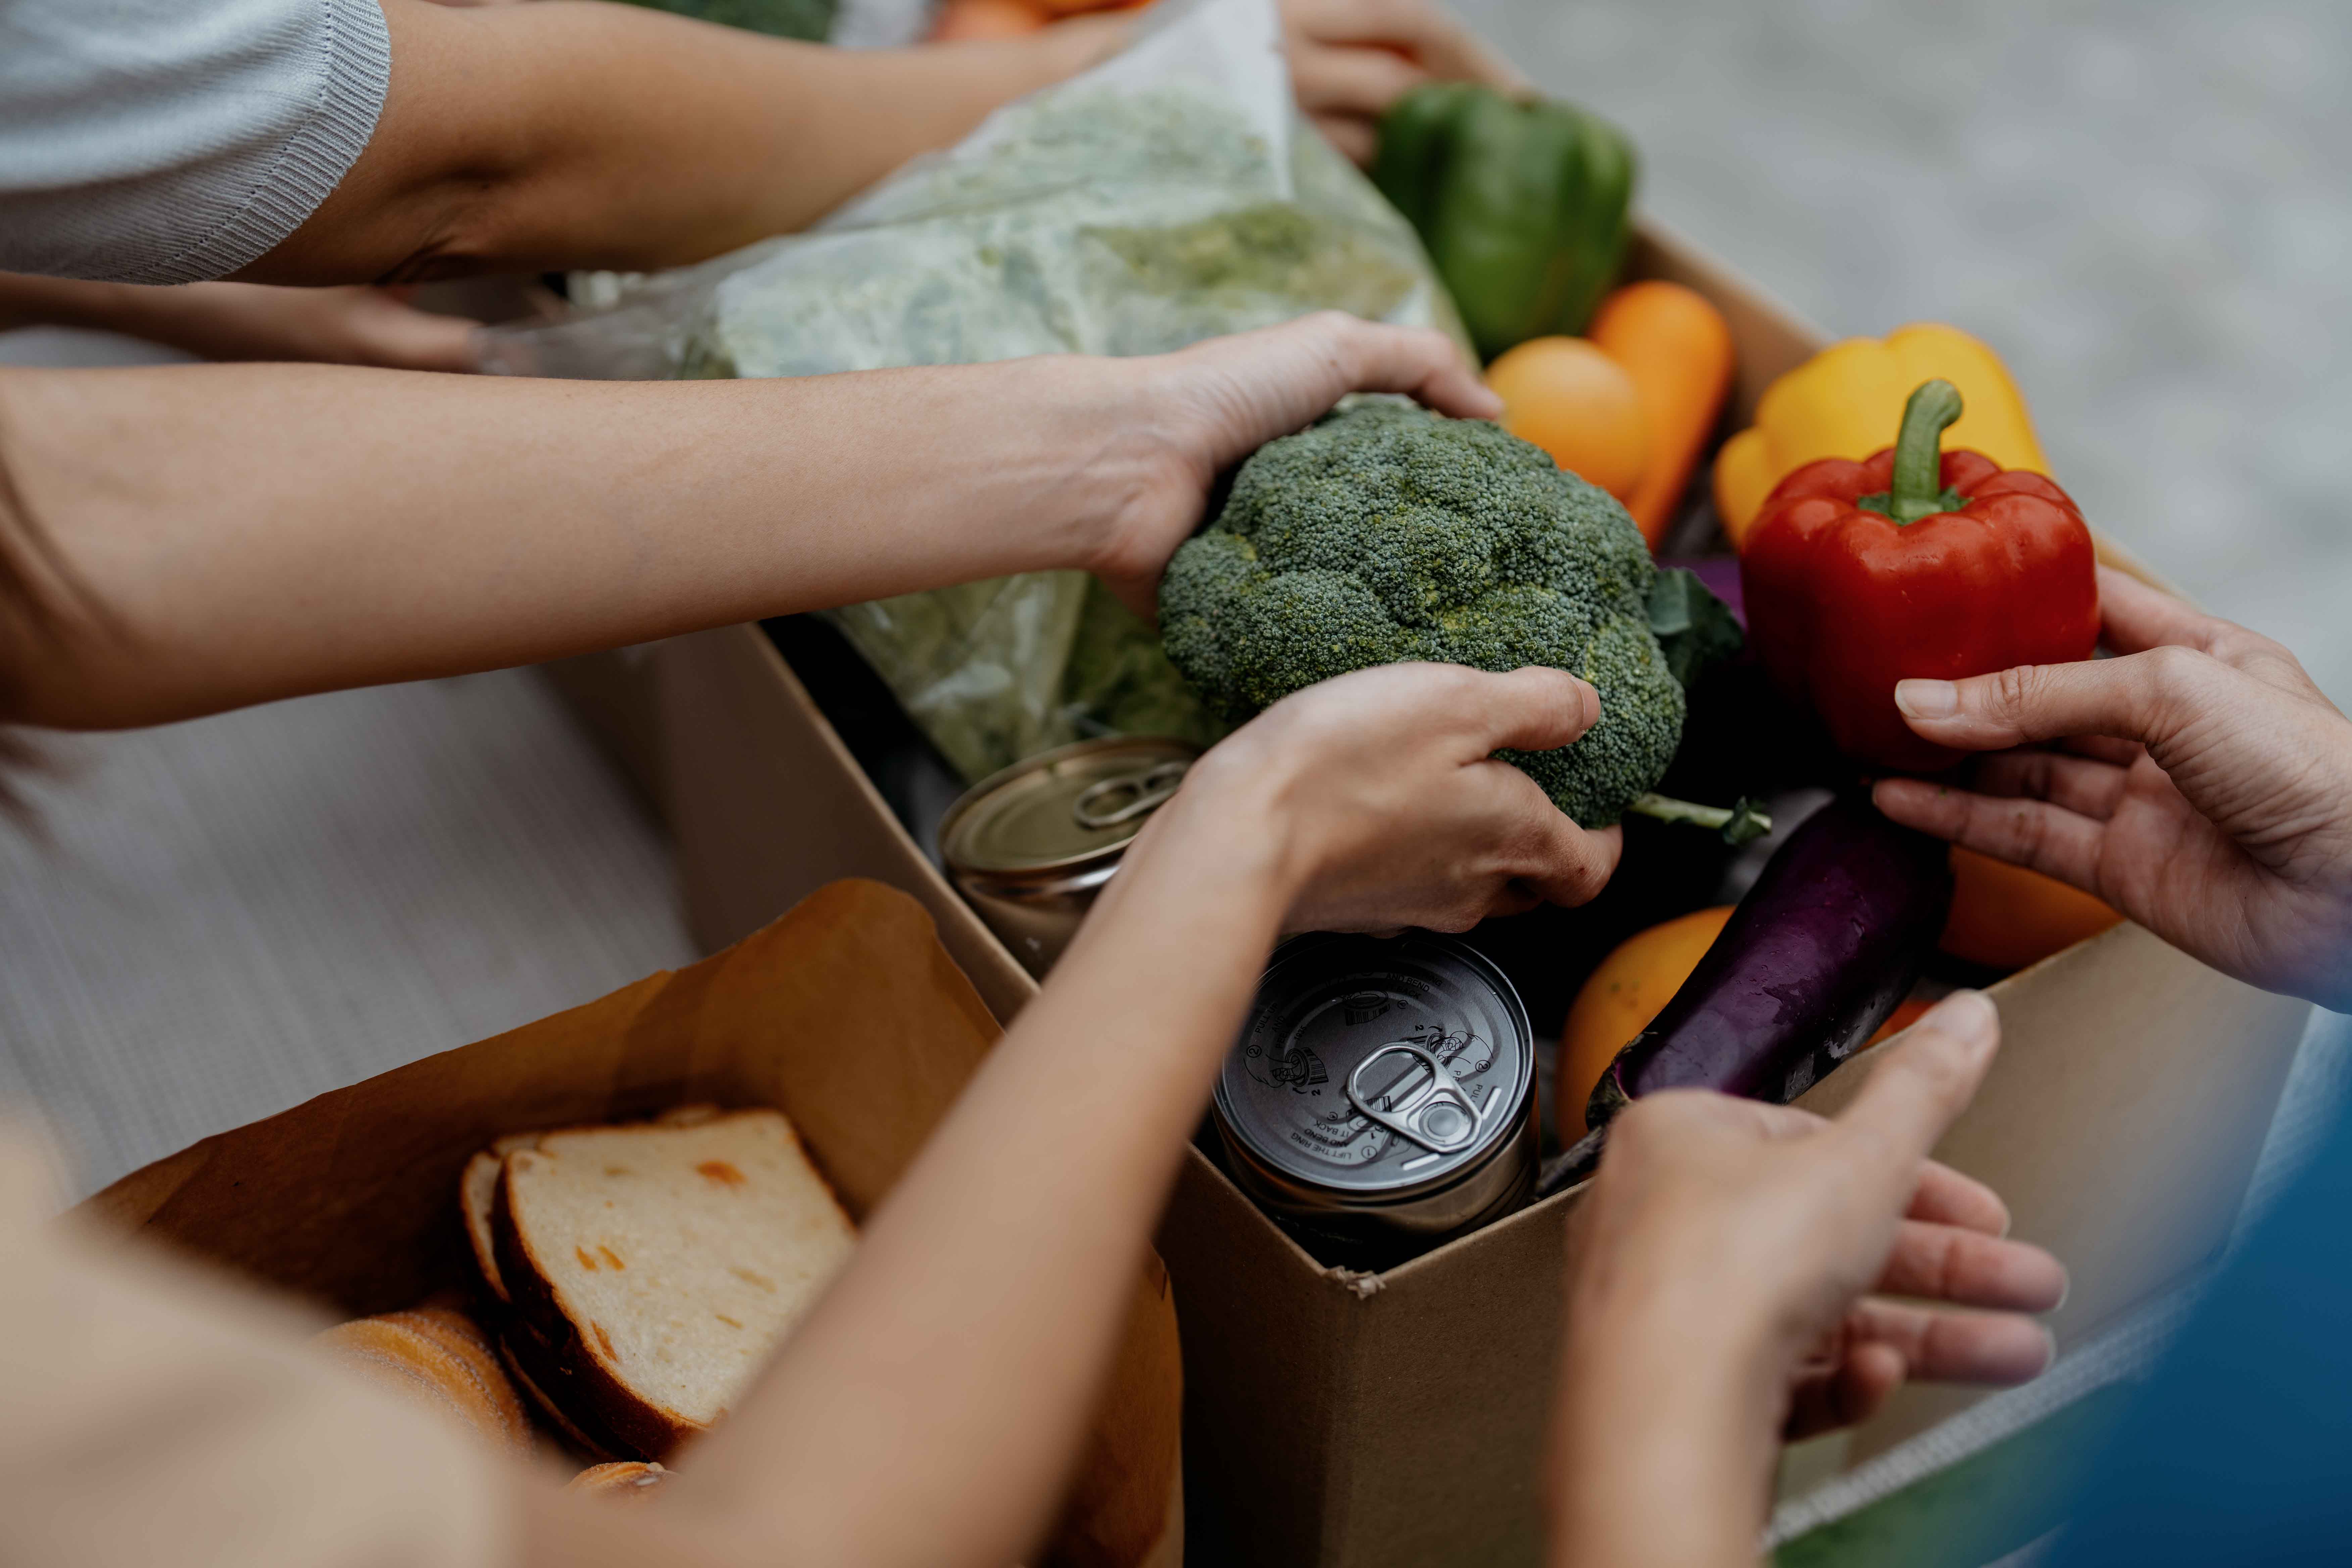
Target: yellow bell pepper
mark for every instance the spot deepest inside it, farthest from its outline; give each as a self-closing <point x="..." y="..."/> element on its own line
<point x="1842" y="402"/>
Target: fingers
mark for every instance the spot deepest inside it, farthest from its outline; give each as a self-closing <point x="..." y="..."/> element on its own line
<point x="1357" y="139"/>
<point x="1442" y="45"/>
<point x="1943" y="1263"/>
<point x="1920" y="1088"/>
<point x="1574" y="863"/>
<point x="2029" y="833"/>
<point x="1358" y="81"/>
<point x="1954" y="1347"/>
<point x="1947" y="1197"/>
<point x="2103" y="748"/>
<point x="2137" y="617"/>
<point x="2135" y="698"/>
<point x="1420" y="361"/>
<point x="426" y="342"/>
<point x="2078" y="784"/>
<point x="1848" y="1393"/>
<point x="1250" y="387"/>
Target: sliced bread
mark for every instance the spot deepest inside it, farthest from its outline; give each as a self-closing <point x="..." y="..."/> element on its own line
<point x="664" y="1263"/>
<point x="477" y="1189"/>
<point x="544" y="1382"/>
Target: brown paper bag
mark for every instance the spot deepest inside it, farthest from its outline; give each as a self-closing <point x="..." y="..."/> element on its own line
<point x="846" y="1014"/>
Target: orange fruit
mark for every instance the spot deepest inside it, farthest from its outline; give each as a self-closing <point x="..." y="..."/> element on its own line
<point x="1579" y="404"/>
<point x="1906" y="1014"/>
<point x="1618" y="1000"/>
<point x="2008" y="917"/>
<point x="962" y="19"/>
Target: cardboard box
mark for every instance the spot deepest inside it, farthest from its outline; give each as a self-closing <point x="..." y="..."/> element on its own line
<point x="846" y="1014"/>
<point x="1337" y="1417"/>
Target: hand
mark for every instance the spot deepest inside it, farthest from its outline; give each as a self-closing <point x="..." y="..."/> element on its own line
<point x="1723" y="1293"/>
<point x="1201" y="410"/>
<point x="1350" y="60"/>
<point x="358" y="325"/>
<point x="1386" y="806"/>
<point x="2203" y="787"/>
<point x="249" y="322"/>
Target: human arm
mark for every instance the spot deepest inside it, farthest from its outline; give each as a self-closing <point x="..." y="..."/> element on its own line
<point x="577" y="133"/>
<point x="226" y="535"/>
<point x="355" y="325"/>
<point x="928" y="1408"/>
<point x="1724" y="1291"/>
<point x="2202" y="786"/>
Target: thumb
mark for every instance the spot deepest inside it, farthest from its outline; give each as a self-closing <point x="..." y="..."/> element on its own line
<point x="2137" y="697"/>
<point x="1533" y="709"/>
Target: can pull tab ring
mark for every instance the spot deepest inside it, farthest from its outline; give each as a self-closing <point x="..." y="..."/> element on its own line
<point x="1107" y="803"/>
<point x="1436" y="1113"/>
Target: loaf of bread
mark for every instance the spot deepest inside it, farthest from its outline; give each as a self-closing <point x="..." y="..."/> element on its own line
<point x="438" y="1356"/>
<point x="652" y="1269"/>
<point x="626" y="1481"/>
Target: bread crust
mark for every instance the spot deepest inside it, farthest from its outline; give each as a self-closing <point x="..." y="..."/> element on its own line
<point x="625" y="1483"/>
<point x="543" y="1381"/>
<point x="643" y="1428"/>
<point x="421" y="1354"/>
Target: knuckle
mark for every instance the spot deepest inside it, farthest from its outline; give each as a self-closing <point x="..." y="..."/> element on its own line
<point x="2015" y="688"/>
<point x="2173" y="667"/>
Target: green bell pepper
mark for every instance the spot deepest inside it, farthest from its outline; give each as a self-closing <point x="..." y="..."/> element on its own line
<point x="811" y="21"/>
<point x="1525" y="206"/>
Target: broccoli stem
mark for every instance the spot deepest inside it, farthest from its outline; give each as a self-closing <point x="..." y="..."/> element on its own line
<point x="1742" y="821"/>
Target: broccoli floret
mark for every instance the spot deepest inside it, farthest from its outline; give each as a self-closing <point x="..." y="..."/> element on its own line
<point x="1385" y="533"/>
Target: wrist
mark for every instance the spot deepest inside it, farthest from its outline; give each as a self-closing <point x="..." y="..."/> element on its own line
<point x="1225" y="831"/>
<point x="1139" y="475"/>
<point x="1661" y="1450"/>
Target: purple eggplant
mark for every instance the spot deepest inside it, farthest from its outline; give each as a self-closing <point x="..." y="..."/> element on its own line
<point x="1817" y="956"/>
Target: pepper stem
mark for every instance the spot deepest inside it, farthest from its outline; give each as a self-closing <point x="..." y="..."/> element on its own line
<point x="1917" y="490"/>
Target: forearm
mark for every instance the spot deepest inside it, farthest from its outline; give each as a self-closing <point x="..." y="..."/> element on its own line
<point x="294" y="529"/>
<point x="30" y="301"/>
<point x="962" y="1352"/>
<point x="578" y="134"/>
<point x="1662" y="1447"/>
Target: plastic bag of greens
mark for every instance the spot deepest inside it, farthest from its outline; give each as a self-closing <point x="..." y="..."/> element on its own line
<point x="1170" y="194"/>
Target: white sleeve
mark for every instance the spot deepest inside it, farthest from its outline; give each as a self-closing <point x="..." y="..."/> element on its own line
<point x="169" y="141"/>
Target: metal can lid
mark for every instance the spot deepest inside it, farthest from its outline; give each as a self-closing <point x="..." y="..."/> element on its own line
<point x="1373" y="1066"/>
<point x="1063" y="807"/>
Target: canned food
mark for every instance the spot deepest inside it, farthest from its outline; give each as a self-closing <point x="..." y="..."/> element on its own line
<point x="1029" y="848"/>
<point x="1381" y="1097"/>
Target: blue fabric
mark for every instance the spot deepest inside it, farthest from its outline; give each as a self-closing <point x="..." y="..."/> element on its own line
<point x="2239" y="1450"/>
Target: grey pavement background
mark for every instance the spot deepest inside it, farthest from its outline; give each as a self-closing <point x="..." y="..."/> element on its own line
<point x="2143" y="204"/>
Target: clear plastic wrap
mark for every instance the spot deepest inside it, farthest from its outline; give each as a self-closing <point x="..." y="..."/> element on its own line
<point x="1170" y="194"/>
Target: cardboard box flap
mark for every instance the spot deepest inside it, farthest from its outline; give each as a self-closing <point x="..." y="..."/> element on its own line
<point x="846" y="1014"/>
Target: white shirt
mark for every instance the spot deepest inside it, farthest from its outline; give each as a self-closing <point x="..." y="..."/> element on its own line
<point x="170" y="141"/>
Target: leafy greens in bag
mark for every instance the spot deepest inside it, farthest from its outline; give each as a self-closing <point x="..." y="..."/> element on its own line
<point x="1169" y="196"/>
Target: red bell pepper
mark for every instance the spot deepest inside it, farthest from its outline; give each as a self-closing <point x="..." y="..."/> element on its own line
<point x="1914" y="561"/>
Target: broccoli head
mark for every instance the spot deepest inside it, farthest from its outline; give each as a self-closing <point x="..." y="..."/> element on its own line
<point x="1385" y="533"/>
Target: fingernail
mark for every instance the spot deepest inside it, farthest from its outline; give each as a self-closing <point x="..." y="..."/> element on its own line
<point x="1927" y="699"/>
<point x="1968" y="1016"/>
